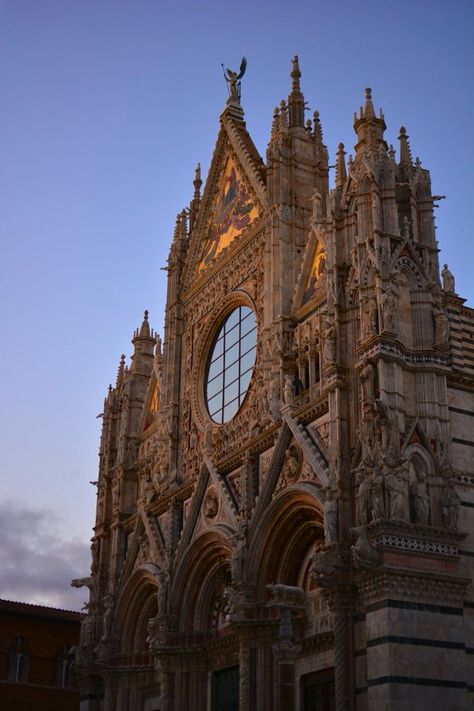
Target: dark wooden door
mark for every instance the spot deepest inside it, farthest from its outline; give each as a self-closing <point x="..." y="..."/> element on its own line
<point x="226" y="689"/>
<point x="317" y="691"/>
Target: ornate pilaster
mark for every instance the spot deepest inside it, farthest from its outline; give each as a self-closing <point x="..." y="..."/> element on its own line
<point x="332" y="572"/>
<point x="288" y="600"/>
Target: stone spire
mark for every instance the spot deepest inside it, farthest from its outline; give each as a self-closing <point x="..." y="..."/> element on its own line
<point x="341" y="173"/>
<point x="197" y="182"/>
<point x="368" y="111"/>
<point x="405" y="152"/>
<point x="318" y="131"/>
<point x="145" y="327"/>
<point x="296" y="98"/>
<point x="120" y="372"/>
<point x="143" y="340"/>
<point x="283" y="117"/>
<point x="196" y="201"/>
<point x="275" y="124"/>
<point x="369" y="128"/>
<point x="144" y="333"/>
<point x="179" y="244"/>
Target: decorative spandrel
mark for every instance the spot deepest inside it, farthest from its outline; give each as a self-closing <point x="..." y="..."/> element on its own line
<point x="318" y="268"/>
<point x="233" y="210"/>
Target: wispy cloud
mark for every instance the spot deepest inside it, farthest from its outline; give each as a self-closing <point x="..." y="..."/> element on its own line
<point x="36" y="563"/>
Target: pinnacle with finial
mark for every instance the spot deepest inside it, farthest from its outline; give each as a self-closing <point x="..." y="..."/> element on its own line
<point x="296" y="98"/>
<point x="318" y="131"/>
<point x="283" y="115"/>
<point x="197" y="182"/>
<point x="368" y="106"/>
<point x="145" y="327"/>
<point x="341" y="174"/>
<point x="121" y="371"/>
<point x="405" y="152"/>
<point x="295" y="74"/>
<point x="275" y="122"/>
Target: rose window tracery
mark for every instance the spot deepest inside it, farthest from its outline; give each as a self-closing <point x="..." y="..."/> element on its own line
<point x="231" y="363"/>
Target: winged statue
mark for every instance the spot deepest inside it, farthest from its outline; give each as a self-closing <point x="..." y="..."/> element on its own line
<point x="233" y="79"/>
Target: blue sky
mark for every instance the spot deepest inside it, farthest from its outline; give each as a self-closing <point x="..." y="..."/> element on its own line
<point x="106" y="107"/>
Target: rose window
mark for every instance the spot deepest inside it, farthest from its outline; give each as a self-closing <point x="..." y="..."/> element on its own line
<point x="231" y="363"/>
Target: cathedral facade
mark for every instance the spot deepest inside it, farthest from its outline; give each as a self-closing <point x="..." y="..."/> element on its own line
<point x="285" y="497"/>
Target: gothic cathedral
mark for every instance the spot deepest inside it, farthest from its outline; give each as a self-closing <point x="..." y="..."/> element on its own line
<point x="286" y="487"/>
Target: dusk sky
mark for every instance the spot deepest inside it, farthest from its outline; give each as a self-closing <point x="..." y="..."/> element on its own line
<point x="106" y="107"/>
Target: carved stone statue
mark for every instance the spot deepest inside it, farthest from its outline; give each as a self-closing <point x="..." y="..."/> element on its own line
<point x="330" y="517"/>
<point x="211" y="505"/>
<point x="450" y="501"/>
<point x="384" y="423"/>
<point x="148" y="489"/>
<point x="107" y="617"/>
<point x="363" y="500"/>
<point x="288" y="392"/>
<point x="324" y="565"/>
<point x="369" y="317"/>
<point x="396" y="486"/>
<point x="448" y="279"/>
<point x="292" y="463"/>
<point x="153" y="636"/>
<point x="233" y="80"/>
<point x="364" y="555"/>
<point x="441" y="325"/>
<point x="287" y="596"/>
<point x="421" y="499"/>
<point x="115" y="495"/>
<point x="377" y="496"/>
<point x="95" y="549"/>
<point x="193" y="437"/>
<point x="209" y="436"/>
<point x="389" y="310"/>
<point x="329" y="349"/>
<point x="275" y="402"/>
<point x="367" y="379"/>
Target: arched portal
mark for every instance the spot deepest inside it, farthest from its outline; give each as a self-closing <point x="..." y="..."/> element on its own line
<point x="284" y="539"/>
<point x="200" y="579"/>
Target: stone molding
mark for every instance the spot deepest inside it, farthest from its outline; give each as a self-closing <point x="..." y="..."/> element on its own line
<point x="395" y="583"/>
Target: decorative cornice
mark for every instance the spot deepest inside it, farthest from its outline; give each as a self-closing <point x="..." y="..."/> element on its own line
<point x="398" y="584"/>
<point x="393" y="350"/>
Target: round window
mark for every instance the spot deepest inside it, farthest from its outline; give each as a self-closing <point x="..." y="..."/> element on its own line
<point x="231" y="364"/>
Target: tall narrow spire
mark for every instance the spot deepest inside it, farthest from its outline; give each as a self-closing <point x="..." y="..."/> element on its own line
<point x="121" y="371"/>
<point x="275" y="123"/>
<point x="197" y="182"/>
<point x="145" y="327"/>
<point x="341" y="174"/>
<point x="283" y="116"/>
<point x="296" y="98"/>
<point x="144" y="332"/>
<point x="405" y="152"/>
<point x="179" y="244"/>
<point x="369" y="128"/>
<point x="196" y="201"/>
<point x="318" y="131"/>
<point x="368" y="111"/>
<point x="143" y="340"/>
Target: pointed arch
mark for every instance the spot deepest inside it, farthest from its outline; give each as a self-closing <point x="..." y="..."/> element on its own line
<point x="199" y="580"/>
<point x="138" y="602"/>
<point x="287" y="531"/>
